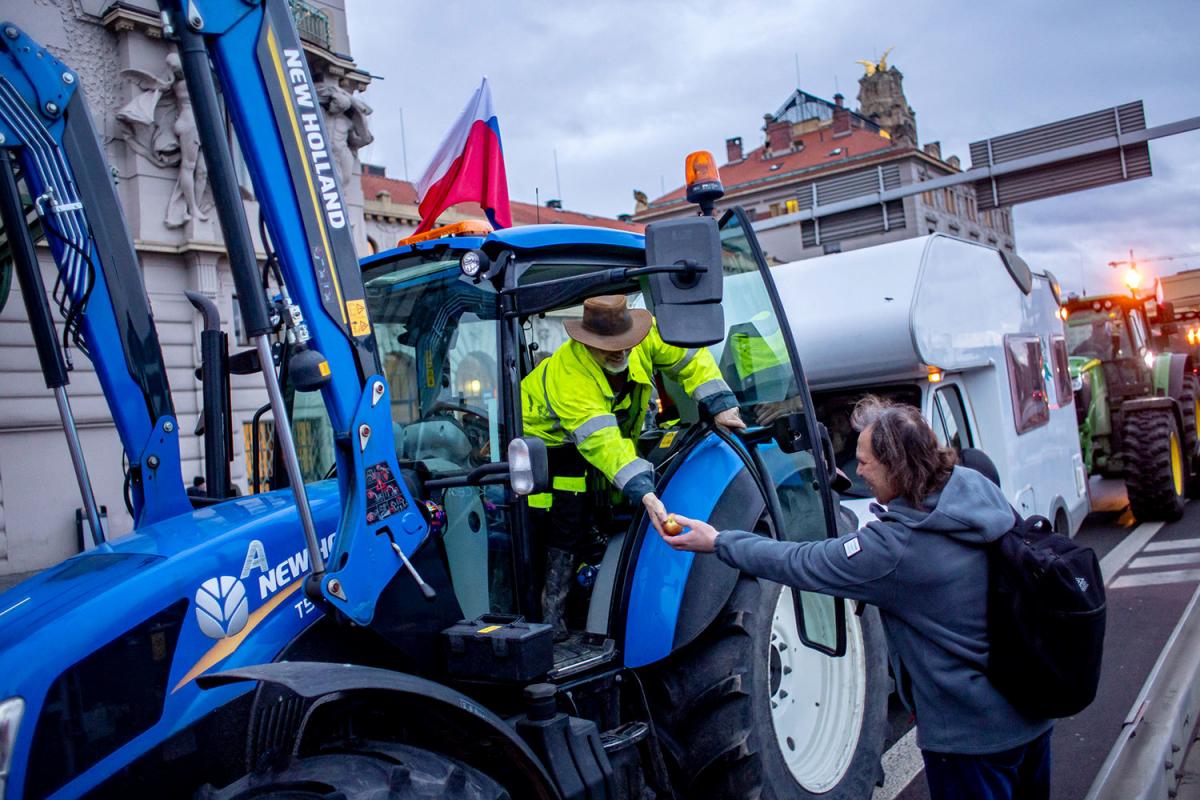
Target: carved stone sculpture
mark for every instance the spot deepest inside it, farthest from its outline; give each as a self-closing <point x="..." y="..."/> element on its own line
<point x="159" y="125"/>
<point x="346" y="120"/>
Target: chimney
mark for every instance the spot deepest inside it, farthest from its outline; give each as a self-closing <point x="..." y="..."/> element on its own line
<point x="733" y="149"/>
<point x="954" y="162"/>
<point x="934" y="149"/>
<point x="383" y="196"/>
<point x="779" y="137"/>
<point x="841" y="116"/>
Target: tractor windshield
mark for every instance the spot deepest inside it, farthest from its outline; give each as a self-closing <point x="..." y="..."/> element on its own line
<point x="1099" y="334"/>
<point x="438" y="342"/>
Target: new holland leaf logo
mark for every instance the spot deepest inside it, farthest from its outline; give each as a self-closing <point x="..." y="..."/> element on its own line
<point x="221" y="607"/>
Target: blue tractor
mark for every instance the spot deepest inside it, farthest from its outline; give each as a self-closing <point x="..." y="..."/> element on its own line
<point x="367" y="628"/>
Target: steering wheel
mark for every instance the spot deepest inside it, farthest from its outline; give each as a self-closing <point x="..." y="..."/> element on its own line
<point x="462" y="408"/>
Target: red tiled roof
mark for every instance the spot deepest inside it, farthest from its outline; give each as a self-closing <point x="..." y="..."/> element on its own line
<point x="522" y="213"/>
<point x="816" y="153"/>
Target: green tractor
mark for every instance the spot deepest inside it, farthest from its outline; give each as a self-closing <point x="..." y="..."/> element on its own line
<point x="1137" y="408"/>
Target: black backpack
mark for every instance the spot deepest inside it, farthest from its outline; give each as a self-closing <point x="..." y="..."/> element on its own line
<point x="1046" y="616"/>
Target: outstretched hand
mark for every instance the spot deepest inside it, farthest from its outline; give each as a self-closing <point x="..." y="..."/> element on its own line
<point x="697" y="536"/>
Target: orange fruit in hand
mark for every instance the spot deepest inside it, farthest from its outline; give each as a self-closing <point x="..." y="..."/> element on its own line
<point x="671" y="527"/>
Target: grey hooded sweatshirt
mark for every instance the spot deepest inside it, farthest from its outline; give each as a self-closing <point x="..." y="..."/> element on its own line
<point x="927" y="574"/>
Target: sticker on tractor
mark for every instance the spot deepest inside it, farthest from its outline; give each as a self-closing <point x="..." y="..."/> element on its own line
<point x="359" y="324"/>
<point x="384" y="497"/>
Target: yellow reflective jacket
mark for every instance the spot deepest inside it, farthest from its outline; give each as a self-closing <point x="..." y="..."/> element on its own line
<point x="567" y="399"/>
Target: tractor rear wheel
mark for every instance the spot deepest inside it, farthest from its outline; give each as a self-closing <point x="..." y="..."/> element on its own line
<point x="374" y="770"/>
<point x="749" y="711"/>
<point x="1189" y="404"/>
<point x="1155" y="465"/>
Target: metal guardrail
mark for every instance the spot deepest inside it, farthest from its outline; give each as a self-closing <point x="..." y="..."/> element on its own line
<point x="1146" y="763"/>
<point x="311" y="23"/>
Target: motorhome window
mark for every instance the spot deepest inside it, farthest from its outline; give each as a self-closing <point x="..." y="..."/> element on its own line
<point x="951" y="418"/>
<point x="834" y="409"/>
<point x="1062" y="371"/>
<point x="1031" y="408"/>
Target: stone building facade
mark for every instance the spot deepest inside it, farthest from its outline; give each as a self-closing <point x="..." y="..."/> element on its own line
<point x="139" y="106"/>
<point x="817" y="152"/>
<point x="137" y="102"/>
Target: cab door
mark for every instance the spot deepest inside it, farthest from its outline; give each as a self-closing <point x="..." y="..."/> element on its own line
<point x="759" y="362"/>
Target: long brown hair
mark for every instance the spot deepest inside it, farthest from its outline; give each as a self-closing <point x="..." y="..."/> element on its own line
<point x="906" y="446"/>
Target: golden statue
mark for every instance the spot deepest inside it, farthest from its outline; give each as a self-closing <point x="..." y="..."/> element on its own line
<point x="876" y="66"/>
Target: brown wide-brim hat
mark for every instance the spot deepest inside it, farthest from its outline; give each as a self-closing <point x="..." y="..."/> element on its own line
<point x="608" y="324"/>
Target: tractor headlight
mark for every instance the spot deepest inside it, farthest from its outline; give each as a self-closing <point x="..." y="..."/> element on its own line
<point x="11" y="711"/>
<point x="474" y="263"/>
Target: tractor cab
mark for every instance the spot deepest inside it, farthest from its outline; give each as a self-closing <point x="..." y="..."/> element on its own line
<point x="462" y="318"/>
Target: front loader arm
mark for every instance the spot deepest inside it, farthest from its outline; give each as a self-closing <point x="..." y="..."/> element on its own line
<point x="252" y="52"/>
<point x="45" y="127"/>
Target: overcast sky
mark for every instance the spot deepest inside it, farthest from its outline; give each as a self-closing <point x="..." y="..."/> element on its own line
<point x="623" y="90"/>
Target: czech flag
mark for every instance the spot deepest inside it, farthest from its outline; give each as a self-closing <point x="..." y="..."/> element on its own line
<point x="468" y="166"/>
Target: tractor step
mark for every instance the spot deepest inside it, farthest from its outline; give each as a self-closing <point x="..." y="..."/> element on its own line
<point x="580" y="652"/>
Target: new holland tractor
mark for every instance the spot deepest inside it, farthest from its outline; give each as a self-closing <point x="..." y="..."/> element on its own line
<point x="368" y="627"/>
<point x="1137" y="406"/>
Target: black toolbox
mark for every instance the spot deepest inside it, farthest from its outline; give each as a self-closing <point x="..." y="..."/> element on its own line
<point x="499" y="647"/>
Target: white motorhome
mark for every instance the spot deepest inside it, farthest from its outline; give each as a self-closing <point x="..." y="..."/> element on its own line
<point x="969" y="335"/>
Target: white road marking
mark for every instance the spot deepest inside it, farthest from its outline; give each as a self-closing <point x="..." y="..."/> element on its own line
<point x="1169" y="560"/>
<point x="1156" y="578"/>
<point x="1172" y="544"/>
<point x="1119" y="556"/>
<point x="901" y="763"/>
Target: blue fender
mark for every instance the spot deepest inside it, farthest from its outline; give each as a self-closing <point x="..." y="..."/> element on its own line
<point x="671" y="596"/>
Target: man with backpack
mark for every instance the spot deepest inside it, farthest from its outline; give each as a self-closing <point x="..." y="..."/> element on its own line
<point x="924" y="564"/>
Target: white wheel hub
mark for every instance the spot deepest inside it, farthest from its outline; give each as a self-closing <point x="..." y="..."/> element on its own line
<point x="817" y="702"/>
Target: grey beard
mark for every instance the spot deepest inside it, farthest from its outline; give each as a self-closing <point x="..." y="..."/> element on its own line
<point x="611" y="370"/>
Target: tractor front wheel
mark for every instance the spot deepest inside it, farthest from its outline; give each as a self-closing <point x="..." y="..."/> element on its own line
<point x="364" y="770"/>
<point x="747" y="710"/>
<point x="1155" y="464"/>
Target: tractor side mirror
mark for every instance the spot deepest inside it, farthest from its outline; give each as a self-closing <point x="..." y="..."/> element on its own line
<point x="687" y="301"/>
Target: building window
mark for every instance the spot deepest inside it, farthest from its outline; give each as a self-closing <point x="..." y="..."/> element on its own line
<point x="793" y="206"/>
<point x="1025" y="382"/>
<point x="948" y="199"/>
<point x="972" y="211"/>
<point x="776" y="209"/>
